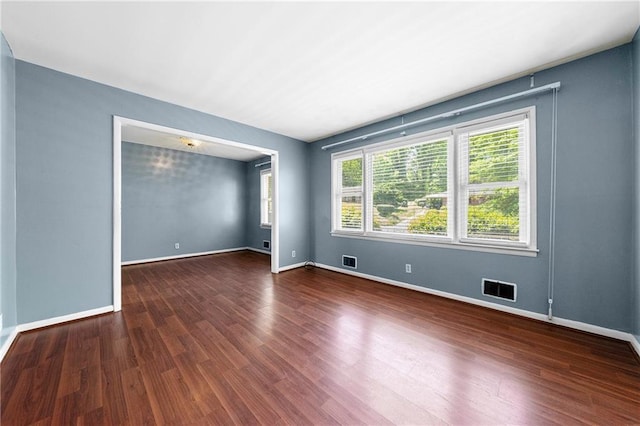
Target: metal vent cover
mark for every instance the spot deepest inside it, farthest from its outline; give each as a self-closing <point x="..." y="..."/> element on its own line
<point x="499" y="289"/>
<point x="349" y="261"/>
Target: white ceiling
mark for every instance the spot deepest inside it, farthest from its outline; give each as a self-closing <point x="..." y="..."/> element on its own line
<point x="310" y="69"/>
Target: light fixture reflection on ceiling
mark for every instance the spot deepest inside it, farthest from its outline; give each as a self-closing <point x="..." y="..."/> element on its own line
<point x="191" y="143"/>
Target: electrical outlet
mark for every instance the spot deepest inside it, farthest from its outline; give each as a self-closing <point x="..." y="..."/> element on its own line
<point x="177" y="245"/>
<point x="293" y="253"/>
<point x="407" y="268"/>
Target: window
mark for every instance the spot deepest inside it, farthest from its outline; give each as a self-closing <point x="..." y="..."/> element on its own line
<point x="266" y="201"/>
<point x="493" y="182"/>
<point x="471" y="185"/>
<point x="348" y="195"/>
<point x="410" y="187"/>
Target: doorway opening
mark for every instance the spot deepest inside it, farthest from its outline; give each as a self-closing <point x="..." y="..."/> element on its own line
<point x="162" y="136"/>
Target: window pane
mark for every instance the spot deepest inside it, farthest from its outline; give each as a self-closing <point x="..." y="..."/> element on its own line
<point x="493" y="156"/>
<point x="351" y="212"/>
<point x="432" y="222"/>
<point x="410" y="189"/>
<point x="352" y="173"/>
<point x="494" y="214"/>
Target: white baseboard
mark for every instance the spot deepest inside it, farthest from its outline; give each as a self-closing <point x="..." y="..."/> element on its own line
<point x="635" y="344"/>
<point x="590" y="328"/>
<point x="64" y="318"/>
<point x="294" y="266"/>
<point x="577" y="325"/>
<point x="181" y="256"/>
<point x="259" y="250"/>
<point x="7" y="344"/>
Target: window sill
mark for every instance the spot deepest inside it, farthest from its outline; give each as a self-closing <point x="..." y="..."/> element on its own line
<point x="263" y="226"/>
<point x="486" y="248"/>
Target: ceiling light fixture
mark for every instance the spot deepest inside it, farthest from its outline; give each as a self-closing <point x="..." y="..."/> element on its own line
<point x="191" y="143"/>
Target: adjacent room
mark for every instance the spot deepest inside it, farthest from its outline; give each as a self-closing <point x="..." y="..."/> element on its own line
<point x="320" y="212"/>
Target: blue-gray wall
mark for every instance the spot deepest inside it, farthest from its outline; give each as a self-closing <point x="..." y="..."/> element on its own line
<point x="64" y="194"/>
<point x="255" y="233"/>
<point x="635" y="70"/>
<point x="594" y="207"/>
<point x="171" y="196"/>
<point x="7" y="191"/>
<point x="64" y="185"/>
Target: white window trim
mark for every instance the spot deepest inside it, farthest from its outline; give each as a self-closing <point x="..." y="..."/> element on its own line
<point x="454" y="240"/>
<point x="264" y="199"/>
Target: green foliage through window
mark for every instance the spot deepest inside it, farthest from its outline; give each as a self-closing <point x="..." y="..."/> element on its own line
<point x="407" y="182"/>
<point x="433" y="222"/>
<point x="493" y="157"/>
<point x="494" y="214"/>
<point x="351" y="196"/>
<point x="494" y="160"/>
<point x="352" y="173"/>
<point x="351" y="216"/>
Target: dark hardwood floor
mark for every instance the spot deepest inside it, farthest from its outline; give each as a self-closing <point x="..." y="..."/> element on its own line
<point x="220" y="340"/>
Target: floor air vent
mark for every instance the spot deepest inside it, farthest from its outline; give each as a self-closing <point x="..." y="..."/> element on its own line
<point x="499" y="289"/>
<point x="266" y="244"/>
<point x="349" y="261"/>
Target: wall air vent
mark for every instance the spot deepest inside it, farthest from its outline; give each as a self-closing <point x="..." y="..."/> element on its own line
<point x="499" y="289"/>
<point x="349" y="261"/>
<point x="266" y="244"/>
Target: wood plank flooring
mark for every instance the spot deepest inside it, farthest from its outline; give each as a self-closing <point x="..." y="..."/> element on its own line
<point x="220" y="340"/>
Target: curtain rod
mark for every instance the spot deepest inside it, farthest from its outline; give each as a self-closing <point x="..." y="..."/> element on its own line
<point x="551" y="86"/>
<point x="263" y="163"/>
